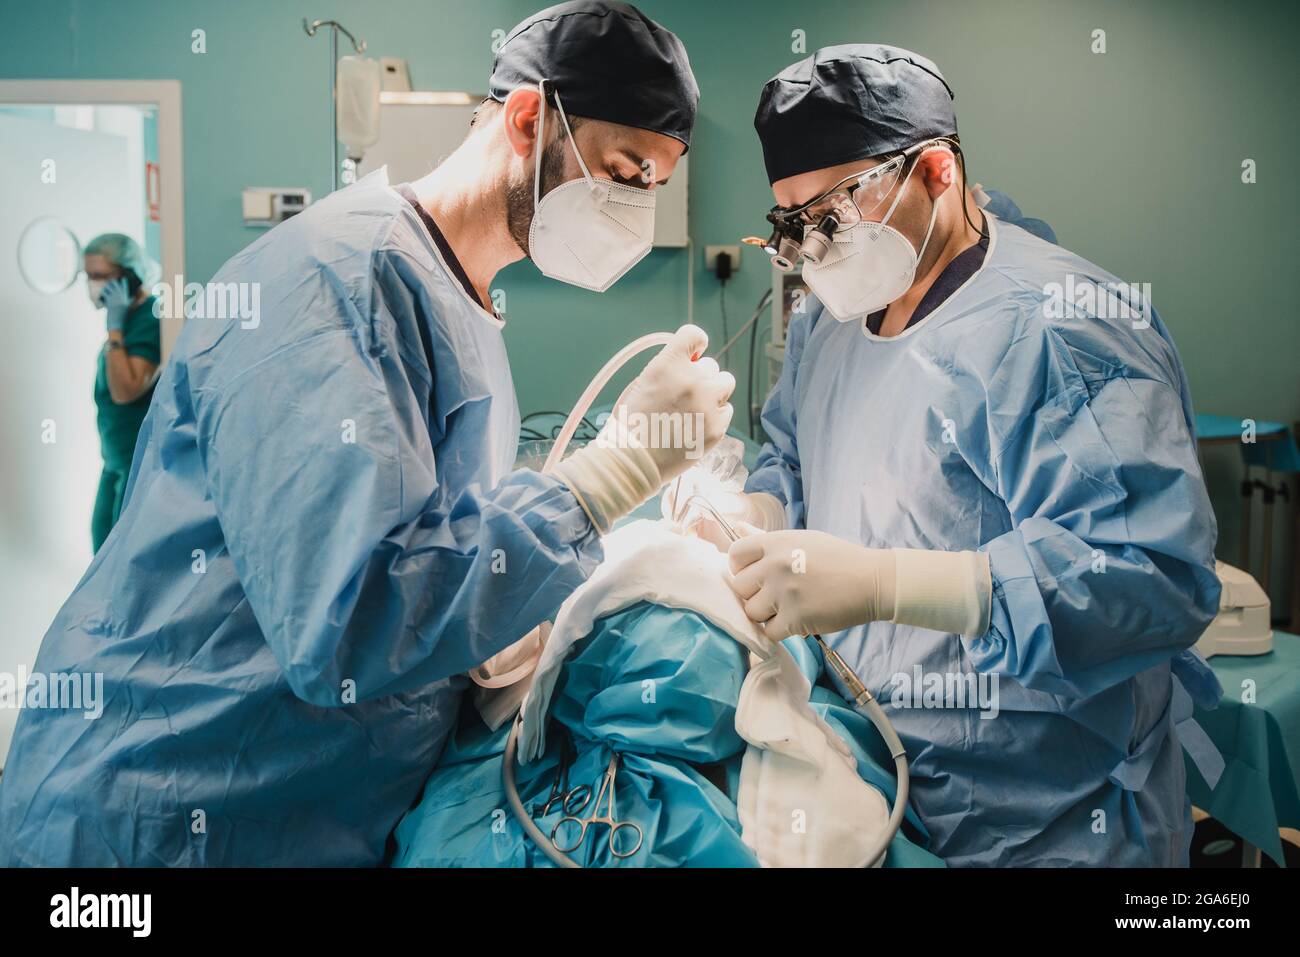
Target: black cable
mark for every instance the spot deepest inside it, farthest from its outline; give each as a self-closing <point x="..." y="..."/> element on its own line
<point x="722" y="298"/>
<point x="586" y="430"/>
<point x="752" y="375"/>
<point x="749" y="377"/>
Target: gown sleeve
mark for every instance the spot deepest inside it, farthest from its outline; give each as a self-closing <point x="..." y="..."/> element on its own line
<point x="1109" y="567"/>
<point x="364" y="572"/>
<point x="777" y="470"/>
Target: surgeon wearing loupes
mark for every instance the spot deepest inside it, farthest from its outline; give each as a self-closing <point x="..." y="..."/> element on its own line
<point x="969" y="481"/>
<point x="322" y="528"/>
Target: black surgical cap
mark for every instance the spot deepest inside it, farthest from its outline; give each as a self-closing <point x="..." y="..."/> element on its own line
<point x="848" y="102"/>
<point x="607" y="61"/>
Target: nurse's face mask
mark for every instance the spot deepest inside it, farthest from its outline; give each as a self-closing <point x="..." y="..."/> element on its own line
<point x="95" y="290"/>
<point x="587" y="232"/>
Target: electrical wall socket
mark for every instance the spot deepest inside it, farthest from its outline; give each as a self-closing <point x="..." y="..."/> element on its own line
<point x="711" y="256"/>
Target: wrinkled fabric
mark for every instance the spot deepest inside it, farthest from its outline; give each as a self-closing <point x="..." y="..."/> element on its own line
<point x="317" y="509"/>
<point x="660" y="685"/>
<point x="801" y="802"/>
<point x="644" y="561"/>
<point x="800" y="799"/>
<point x="1064" y="449"/>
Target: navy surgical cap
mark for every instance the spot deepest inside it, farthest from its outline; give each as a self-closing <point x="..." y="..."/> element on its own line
<point x="848" y="102"/>
<point x="607" y="61"/>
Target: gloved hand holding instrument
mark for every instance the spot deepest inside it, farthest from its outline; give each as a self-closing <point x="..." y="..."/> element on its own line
<point x="801" y="582"/>
<point x="620" y="469"/>
<point x="625" y="465"/>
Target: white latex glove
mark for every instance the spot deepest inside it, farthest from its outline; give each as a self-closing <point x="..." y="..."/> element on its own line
<point x="683" y="383"/>
<point x="803" y="582"/>
<point x="665" y="420"/>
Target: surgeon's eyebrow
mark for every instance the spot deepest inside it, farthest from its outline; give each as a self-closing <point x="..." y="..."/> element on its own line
<point x="639" y="162"/>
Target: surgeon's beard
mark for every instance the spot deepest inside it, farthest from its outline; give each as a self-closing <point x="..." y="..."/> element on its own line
<point x="519" y="193"/>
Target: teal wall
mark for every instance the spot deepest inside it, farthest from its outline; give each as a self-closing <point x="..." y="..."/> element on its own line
<point x="1133" y="156"/>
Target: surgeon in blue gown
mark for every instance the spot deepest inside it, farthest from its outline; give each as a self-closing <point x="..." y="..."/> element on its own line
<point x="321" y="529"/>
<point x="982" y="472"/>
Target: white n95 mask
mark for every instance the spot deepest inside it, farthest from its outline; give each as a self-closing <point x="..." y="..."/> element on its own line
<point x="868" y="265"/>
<point x="587" y="232"/>
<point x="95" y="289"/>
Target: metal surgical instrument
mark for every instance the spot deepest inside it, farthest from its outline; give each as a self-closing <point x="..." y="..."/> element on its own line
<point x="576" y="827"/>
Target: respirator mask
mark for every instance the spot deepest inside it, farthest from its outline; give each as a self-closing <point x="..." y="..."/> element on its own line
<point x="587" y="232"/>
<point x="854" y="266"/>
<point x="95" y="289"/>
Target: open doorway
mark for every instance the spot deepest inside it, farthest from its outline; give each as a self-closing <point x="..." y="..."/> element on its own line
<point x="77" y="160"/>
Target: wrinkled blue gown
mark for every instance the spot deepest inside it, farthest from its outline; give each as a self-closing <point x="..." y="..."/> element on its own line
<point x="320" y="531"/>
<point x="1063" y="448"/>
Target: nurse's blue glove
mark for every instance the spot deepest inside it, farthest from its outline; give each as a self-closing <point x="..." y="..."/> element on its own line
<point x="628" y="461"/>
<point x="116" y="299"/>
<point x="802" y="582"/>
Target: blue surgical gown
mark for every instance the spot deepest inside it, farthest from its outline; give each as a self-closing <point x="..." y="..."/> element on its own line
<point x="321" y="533"/>
<point x="1063" y="448"/>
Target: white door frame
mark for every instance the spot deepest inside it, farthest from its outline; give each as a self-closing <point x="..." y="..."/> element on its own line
<point x="166" y="95"/>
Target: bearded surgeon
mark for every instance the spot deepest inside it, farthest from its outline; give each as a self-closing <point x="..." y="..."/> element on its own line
<point x="322" y="529"/>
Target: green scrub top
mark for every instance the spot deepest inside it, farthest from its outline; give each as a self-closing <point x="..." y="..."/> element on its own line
<point x="120" y="424"/>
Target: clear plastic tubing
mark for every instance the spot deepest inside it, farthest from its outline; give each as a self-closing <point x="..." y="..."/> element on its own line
<point x="616" y="362"/>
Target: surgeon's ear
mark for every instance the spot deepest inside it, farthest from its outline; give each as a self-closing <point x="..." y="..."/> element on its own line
<point x="938" y="170"/>
<point x="521" y="109"/>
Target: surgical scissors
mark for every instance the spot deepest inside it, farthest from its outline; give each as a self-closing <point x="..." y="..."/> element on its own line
<point x="561" y="794"/>
<point x="570" y="821"/>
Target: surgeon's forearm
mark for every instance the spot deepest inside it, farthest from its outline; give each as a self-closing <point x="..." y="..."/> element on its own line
<point x="1073" y="617"/>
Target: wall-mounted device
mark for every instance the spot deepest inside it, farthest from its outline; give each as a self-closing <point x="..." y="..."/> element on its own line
<point x="396" y="75"/>
<point x="266" y="206"/>
<point x="724" y="269"/>
<point x="789" y="295"/>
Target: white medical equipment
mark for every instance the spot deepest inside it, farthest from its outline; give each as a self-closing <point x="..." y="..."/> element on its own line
<point x="1243" y="625"/>
<point x="266" y="206"/>
<point x="357" y="104"/>
<point x="359" y="46"/>
<point x="397" y="75"/>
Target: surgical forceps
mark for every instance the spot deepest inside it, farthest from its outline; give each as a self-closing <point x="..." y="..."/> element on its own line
<point x="569" y="800"/>
<point x="682" y="509"/>
<point x="605" y="797"/>
<point x="859" y="692"/>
